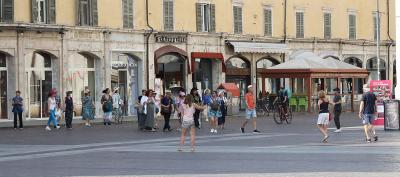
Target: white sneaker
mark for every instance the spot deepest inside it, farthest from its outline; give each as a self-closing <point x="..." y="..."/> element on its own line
<point x="58" y="127"/>
<point x="48" y="128"/>
<point x="212" y="131"/>
<point x="206" y="120"/>
<point x="338" y="130"/>
<point x="215" y="131"/>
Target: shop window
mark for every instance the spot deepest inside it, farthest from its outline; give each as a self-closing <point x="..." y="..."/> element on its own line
<point x="205" y="17"/>
<point x="6" y="10"/>
<point x="3" y="87"/>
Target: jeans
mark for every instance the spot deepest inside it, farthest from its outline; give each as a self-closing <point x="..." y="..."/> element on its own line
<point x="167" y="116"/>
<point x="68" y="119"/>
<point x="20" y="119"/>
<point x="196" y="116"/>
<point x="336" y="118"/>
<point x="52" y="118"/>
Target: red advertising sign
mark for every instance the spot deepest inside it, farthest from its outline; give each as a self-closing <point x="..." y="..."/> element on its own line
<point x="383" y="91"/>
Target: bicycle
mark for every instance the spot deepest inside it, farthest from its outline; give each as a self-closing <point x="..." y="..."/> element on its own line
<point x="263" y="107"/>
<point x="280" y="115"/>
<point x="117" y="115"/>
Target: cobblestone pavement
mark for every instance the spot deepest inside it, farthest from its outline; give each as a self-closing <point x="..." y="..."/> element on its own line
<point x="280" y="150"/>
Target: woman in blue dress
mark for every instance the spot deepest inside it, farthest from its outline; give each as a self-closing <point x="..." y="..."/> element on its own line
<point x="87" y="108"/>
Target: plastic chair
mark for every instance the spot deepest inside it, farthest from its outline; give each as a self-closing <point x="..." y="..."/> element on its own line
<point x="303" y="102"/>
<point x="293" y="102"/>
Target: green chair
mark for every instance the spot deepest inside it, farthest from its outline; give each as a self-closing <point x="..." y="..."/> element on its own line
<point x="293" y="102"/>
<point x="303" y="103"/>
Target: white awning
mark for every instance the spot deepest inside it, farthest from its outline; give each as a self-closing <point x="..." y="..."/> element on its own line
<point x="258" y="47"/>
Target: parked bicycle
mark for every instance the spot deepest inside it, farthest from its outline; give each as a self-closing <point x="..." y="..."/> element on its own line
<point x="263" y="107"/>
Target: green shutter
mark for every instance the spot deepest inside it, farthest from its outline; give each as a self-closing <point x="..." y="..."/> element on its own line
<point x="199" y="20"/>
<point x="94" y="12"/>
<point x="212" y="18"/>
<point x="51" y="11"/>
<point x="34" y="10"/>
<point x="125" y="13"/>
<point x="237" y="19"/>
<point x="130" y="14"/>
<point x="268" y="22"/>
<point x="299" y="25"/>
<point x="168" y="8"/>
<point x="8" y="10"/>
<point x="327" y="25"/>
<point x="78" y="12"/>
<point x="352" y="26"/>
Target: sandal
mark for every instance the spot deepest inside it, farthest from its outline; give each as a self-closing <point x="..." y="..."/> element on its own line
<point x="325" y="140"/>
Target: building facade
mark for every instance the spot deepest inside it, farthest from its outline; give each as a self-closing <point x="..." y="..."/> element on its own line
<point x="162" y="44"/>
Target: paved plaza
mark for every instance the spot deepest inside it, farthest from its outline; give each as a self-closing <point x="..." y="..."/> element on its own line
<point x="121" y="150"/>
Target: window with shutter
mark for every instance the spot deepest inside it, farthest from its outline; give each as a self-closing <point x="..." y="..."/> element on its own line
<point x="127" y="13"/>
<point x="327" y="25"/>
<point x="51" y="12"/>
<point x="268" y="22"/>
<point x="237" y="19"/>
<point x="34" y="7"/>
<point x="352" y="26"/>
<point x="7" y="11"/>
<point x="168" y="15"/>
<point x="299" y="24"/>
<point x="87" y="12"/>
<point x="94" y="12"/>
<point x="212" y="18"/>
<point x="199" y="20"/>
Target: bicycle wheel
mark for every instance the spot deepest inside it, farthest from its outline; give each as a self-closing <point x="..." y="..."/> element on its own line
<point x="277" y="116"/>
<point x="260" y="111"/>
<point x="289" y="117"/>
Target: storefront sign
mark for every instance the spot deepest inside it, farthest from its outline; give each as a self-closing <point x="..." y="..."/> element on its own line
<point x="121" y="65"/>
<point x="383" y="91"/>
<point x="170" y="38"/>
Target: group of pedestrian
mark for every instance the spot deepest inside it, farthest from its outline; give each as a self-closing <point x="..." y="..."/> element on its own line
<point x="367" y="113"/>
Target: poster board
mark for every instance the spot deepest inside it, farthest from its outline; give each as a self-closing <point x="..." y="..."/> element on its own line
<point x="383" y="91"/>
<point x="391" y="115"/>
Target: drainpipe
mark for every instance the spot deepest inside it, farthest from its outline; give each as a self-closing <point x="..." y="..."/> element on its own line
<point x="148" y="35"/>
<point x="284" y="22"/>
<point x="388" y="34"/>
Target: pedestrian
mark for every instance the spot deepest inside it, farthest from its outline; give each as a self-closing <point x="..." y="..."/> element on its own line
<point x="69" y="110"/>
<point x="52" y="106"/>
<point x="58" y="112"/>
<point x="323" y="116"/>
<point x="368" y="114"/>
<point x="223" y="107"/>
<point x="117" y="104"/>
<point x="166" y="110"/>
<point x="196" y="100"/>
<point x="214" y="112"/>
<point x="87" y="108"/>
<point x="148" y="102"/>
<point x="18" y="108"/>
<point x="107" y="104"/>
<point x="178" y="104"/>
<point x="188" y="109"/>
<point x="140" y="111"/>
<point x="206" y="101"/>
<point x="337" y="109"/>
<point x="250" y="110"/>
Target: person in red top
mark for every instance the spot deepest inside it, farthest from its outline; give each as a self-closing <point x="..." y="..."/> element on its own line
<point x="250" y="110"/>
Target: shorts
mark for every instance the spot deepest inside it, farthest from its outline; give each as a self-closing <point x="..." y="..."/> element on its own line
<point x="188" y="124"/>
<point x="368" y="119"/>
<point x="250" y="114"/>
<point x="323" y="119"/>
<point x="214" y="114"/>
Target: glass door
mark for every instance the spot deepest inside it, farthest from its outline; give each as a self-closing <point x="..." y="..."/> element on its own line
<point x="3" y="94"/>
<point x="40" y="85"/>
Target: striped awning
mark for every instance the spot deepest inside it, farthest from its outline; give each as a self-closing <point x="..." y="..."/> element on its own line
<point x="257" y="47"/>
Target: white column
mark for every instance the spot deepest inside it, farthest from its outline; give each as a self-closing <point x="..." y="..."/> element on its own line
<point x="397" y="89"/>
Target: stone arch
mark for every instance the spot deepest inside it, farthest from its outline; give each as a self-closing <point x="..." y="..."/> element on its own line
<point x="372" y="67"/>
<point x="354" y="61"/>
<point x="331" y="56"/>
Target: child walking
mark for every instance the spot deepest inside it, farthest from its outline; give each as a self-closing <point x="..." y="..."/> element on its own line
<point x="187" y="109"/>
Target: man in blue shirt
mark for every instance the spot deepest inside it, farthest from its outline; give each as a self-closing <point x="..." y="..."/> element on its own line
<point x="368" y="113"/>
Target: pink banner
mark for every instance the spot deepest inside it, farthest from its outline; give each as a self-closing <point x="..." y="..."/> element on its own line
<point x="383" y="91"/>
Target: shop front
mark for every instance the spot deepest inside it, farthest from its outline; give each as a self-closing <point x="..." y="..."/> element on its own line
<point x="41" y="77"/>
<point x="238" y="71"/>
<point x="172" y="67"/>
<point x="207" y="69"/>
<point x="3" y="87"/>
<point x="124" y="75"/>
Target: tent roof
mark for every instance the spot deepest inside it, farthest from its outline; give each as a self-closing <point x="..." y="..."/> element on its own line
<point x="230" y="87"/>
<point x="308" y="60"/>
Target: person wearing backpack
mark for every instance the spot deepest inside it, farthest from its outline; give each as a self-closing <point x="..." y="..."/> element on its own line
<point x="107" y="105"/>
<point x="214" y="112"/>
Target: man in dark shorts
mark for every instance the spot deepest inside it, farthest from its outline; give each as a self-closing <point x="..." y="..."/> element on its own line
<point x="368" y="113"/>
<point x="337" y="110"/>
